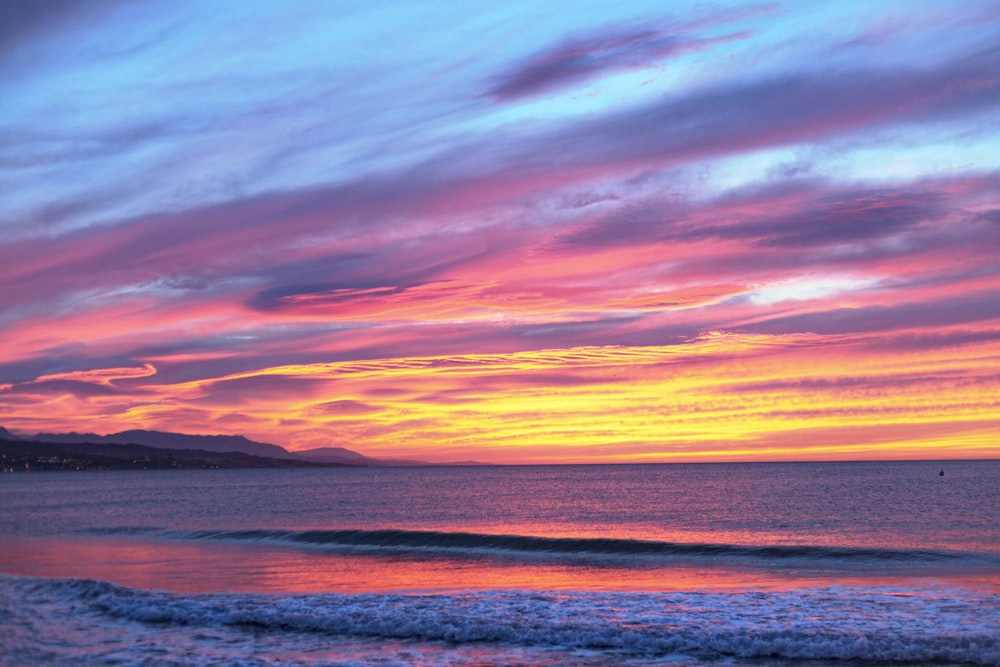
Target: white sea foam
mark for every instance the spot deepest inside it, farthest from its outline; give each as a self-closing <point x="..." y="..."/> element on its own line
<point x="836" y="623"/>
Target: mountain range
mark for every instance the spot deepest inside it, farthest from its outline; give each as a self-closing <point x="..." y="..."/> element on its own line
<point x="212" y="443"/>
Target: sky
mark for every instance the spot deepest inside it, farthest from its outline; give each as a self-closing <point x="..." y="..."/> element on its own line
<point x="517" y="232"/>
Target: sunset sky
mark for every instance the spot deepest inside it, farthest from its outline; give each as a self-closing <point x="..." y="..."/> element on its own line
<point x="506" y="231"/>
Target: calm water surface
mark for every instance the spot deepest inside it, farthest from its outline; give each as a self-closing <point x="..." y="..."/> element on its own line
<point x="588" y="565"/>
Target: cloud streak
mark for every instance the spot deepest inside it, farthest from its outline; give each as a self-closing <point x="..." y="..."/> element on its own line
<point x="583" y="59"/>
<point x="618" y="235"/>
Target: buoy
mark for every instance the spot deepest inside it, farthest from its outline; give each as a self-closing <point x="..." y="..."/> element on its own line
<point x="941" y="474"/>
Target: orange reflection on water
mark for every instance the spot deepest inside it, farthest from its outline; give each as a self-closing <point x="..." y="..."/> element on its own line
<point x="200" y="568"/>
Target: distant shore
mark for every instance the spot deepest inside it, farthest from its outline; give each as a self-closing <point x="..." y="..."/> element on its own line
<point x="28" y="456"/>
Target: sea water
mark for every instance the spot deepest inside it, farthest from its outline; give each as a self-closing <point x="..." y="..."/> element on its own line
<point x="687" y="564"/>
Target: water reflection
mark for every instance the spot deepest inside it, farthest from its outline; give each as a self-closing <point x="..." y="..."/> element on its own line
<point x="187" y="567"/>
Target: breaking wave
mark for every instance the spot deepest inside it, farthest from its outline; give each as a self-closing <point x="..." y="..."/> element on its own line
<point x="900" y="625"/>
<point x="473" y="544"/>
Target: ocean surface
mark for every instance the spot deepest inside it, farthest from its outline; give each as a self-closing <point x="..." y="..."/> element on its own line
<point x="765" y="564"/>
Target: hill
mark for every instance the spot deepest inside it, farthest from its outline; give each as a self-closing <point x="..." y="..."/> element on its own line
<point x="38" y="455"/>
<point x="341" y="455"/>
<point x="166" y="440"/>
<point x="219" y="444"/>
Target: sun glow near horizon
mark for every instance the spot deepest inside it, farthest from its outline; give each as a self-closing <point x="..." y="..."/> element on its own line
<point x="724" y="396"/>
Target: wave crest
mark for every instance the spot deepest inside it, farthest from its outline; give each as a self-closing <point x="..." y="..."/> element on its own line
<point x="461" y="543"/>
<point x="835" y="623"/>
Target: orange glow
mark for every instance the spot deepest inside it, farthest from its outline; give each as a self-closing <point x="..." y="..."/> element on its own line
<point x="724" y="396"/>
<point x="166" y="565"/>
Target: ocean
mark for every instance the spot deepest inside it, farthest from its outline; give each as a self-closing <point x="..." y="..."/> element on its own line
<point x="742" y="564"/>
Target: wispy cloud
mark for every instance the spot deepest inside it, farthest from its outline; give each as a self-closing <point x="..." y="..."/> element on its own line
<point x="585" y="58"/>
<point x="608" y="233"/>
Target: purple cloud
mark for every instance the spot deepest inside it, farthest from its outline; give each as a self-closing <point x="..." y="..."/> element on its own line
<point x="581" y="59"/>
<point x="944" y="311"/>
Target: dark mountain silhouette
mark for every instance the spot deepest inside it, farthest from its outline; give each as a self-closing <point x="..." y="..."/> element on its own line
<point x="38" y="455"/>
<point x="208" y="443"/>
<point x="218" y="444"/>
<point x="338" y="454"/>
<point x="341" y="455"/>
